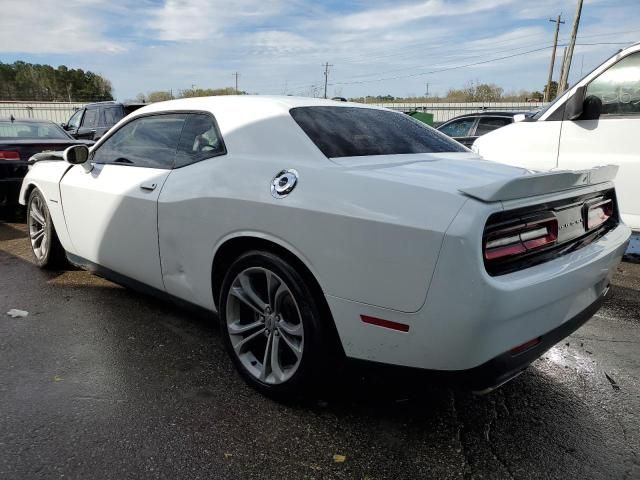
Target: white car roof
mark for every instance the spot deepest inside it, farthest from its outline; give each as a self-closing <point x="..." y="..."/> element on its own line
<point x="251" y="124"/>
<point x="258" y="103"/>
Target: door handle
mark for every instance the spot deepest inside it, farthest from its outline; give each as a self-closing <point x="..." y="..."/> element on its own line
<point x="149" y="187"/>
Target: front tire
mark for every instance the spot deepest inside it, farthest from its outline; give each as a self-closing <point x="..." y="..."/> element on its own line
<point x="45" y="246"/>
<point x="272" y="325"/>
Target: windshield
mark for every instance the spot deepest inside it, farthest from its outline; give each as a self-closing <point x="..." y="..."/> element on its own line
<point x="26" y="130"/>
<point x="352" y="132"/>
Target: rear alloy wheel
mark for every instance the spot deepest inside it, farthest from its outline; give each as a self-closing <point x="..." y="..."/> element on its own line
<point x="46" y="248"/>
<point x="271" y="324"/>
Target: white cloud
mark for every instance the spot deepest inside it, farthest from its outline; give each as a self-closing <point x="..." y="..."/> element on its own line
<point x="186" y="20"/>
<point x="394" y="16"/>
<point x="46" y="26"/>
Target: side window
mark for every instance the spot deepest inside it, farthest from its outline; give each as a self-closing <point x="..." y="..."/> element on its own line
<point x="149" y="141"/>
<point x="200" y="139"/>
<point x="488" y="124"/>
<point x="90" y="119"/>
<point x="619" y="87"/>
<point x="110" y="116"/>
<point x="459" y="128"/>
<point x="74" y="121"/>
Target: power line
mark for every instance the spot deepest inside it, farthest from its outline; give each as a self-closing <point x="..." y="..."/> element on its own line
<point x="457" y="67"/>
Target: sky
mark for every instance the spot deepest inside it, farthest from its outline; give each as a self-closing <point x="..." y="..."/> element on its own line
<point x="375" y="47"/>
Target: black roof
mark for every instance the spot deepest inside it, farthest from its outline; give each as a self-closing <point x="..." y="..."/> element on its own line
<point x="113" y="102"/>
<point x="487" y="114"/>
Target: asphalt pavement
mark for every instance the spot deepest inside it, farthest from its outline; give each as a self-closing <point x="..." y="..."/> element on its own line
<point x="102" y="382"/>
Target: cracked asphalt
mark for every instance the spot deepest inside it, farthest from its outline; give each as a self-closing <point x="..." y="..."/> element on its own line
<point x="102" y="382"/>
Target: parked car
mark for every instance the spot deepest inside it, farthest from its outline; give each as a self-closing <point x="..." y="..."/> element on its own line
<point x="593" y="123"/>
<point x="314" y="239"/>
<point x="94" y="119"/>
<point x="19" y="140"/>
<point x="467" y="128"/>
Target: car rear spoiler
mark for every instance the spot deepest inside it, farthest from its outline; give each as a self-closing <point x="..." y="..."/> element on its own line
<point x="38" y="157"/>
<point x="530" y="185"/>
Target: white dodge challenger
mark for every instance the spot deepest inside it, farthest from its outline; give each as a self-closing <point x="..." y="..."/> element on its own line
<point x="320" y="229"/>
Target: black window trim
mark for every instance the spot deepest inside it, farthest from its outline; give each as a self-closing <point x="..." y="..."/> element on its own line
<point x="113" y="131"/>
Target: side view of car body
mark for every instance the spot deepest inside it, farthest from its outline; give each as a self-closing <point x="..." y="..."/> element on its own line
<point x="593" y="123"/>
<point x="467" y="128"/>
<point x="93" y="120"/>
<point x="313" y="238"/>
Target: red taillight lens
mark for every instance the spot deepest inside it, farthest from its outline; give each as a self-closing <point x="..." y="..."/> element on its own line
<point x="599" y="213"/>
<point x="521" y="238"/>
<point x="9" y="155"/>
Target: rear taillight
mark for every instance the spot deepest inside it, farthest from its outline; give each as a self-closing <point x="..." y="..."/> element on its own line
<point x="597" y="213"/>
<point x="521" y="238"/>
<point x="9" y="155"/>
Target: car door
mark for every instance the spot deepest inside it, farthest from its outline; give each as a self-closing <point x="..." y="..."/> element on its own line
<point x="112" y="212"/>
<point x="74" y="123"/>
<point x="611" y="139"/>
<point x="88" y="125"/>
<point x="460" y="130"/>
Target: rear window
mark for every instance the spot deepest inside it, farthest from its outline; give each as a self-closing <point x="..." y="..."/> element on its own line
<point x="354" y="132"/>
<point x="18" y="130"/>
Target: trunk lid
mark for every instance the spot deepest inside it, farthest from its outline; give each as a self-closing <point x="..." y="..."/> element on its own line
<point x="469" y="175"/>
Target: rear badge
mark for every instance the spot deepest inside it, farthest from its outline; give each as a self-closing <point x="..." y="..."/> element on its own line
<point x="284" y="183"/>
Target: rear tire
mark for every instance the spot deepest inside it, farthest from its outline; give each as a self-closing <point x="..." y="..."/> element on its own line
<point x="45" y="246"/>
<point x="272" y="326"/>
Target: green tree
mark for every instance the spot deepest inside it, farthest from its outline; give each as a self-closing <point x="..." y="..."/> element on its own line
<point x="26" y="81"/>
<point x="209" y="92"/>
<point x="553" y="91"/>
<point x="158" y="96"/>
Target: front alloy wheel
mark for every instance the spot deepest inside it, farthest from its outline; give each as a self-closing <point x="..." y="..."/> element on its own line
<point x="46" y="248"/>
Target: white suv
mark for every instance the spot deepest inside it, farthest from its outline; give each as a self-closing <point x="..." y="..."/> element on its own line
<point x="593" y="123"/>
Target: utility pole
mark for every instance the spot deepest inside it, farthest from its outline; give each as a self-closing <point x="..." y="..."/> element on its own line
<point x="326" y="77"/>
<point x="236" y="74"/>
<point x="426" y="94"/>
<point x="547" y="91"/>
<point x="574" y="33"/>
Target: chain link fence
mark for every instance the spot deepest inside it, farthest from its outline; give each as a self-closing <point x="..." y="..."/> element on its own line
<point x="443" y="112"/>
<point x="57" y="112"/>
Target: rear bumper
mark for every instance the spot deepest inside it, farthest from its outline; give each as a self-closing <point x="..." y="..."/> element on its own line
<point x="504" y="367"/>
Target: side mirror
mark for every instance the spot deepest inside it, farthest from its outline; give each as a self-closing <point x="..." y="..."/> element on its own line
<point x="65" y="126"/>
<point x="78" y="155"/>
<point x="592" y="108"/>
<point x="574" y="106"/>
<point x="519" y="117"/>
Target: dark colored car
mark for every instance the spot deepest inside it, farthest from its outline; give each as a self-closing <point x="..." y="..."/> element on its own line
<point x="466" y="128"/>
<point x="93" y="120"/>
<point x="19" y="140"/>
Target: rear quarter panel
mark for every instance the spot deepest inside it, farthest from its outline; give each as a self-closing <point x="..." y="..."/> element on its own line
<point x="364" y="239"/>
